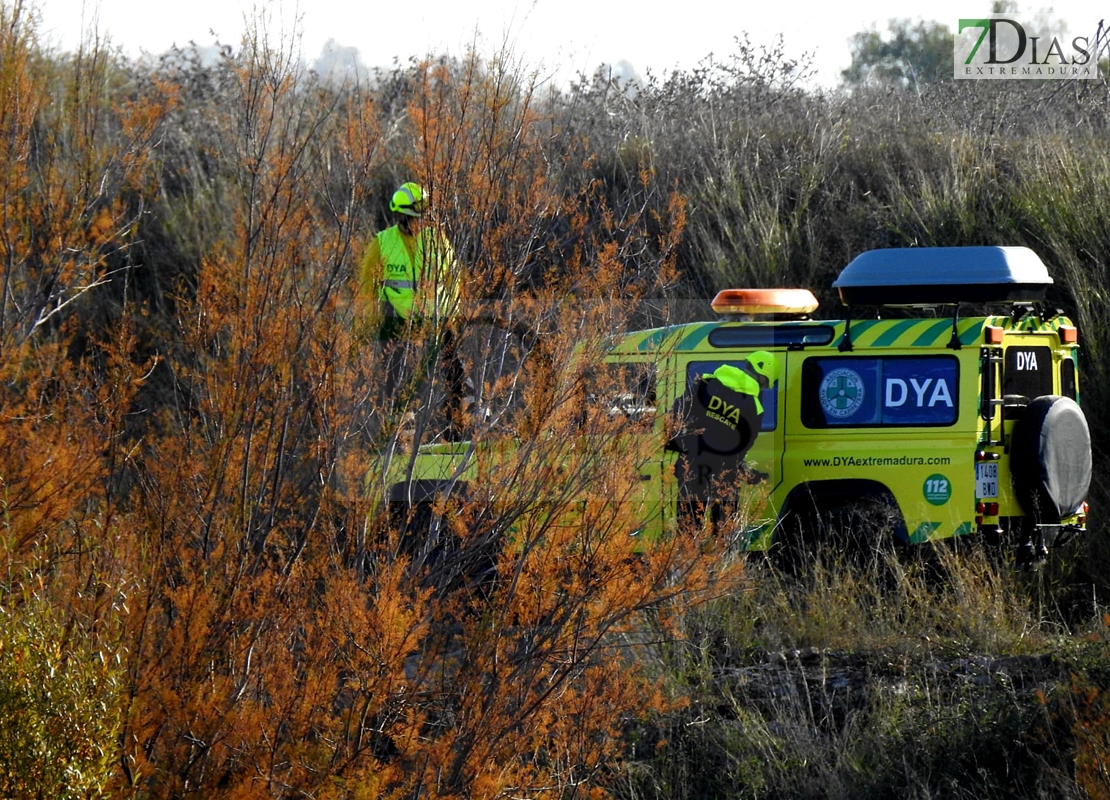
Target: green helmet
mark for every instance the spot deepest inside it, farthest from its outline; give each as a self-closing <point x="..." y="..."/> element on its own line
<point x="765" y="364"/>
<point x="409" y="200"/>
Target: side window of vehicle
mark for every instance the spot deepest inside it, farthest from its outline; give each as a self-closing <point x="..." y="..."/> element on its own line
<point x="768" y="397"/>
<point x="627" y="388"/>
<point x="749" y="335"/>
<point x="897" y="391"/>
<point x="1027" y="371"/>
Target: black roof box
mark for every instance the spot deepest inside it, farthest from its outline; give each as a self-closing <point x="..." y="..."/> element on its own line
<point x="930" y="276"/>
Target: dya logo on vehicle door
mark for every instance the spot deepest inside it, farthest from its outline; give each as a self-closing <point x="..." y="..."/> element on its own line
<point x="842" y="392"/>
<point x="883" y="391"/>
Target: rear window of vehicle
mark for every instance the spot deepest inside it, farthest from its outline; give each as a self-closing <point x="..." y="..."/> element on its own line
<point x="862" y="392"/>
<point x="1027" y="371"/>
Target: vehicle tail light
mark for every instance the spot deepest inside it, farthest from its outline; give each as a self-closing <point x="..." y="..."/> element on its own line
<point x="1068" y="334"/>
<point x="992" y="334"/>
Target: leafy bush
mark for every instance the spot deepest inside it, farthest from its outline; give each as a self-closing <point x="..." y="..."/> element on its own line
<point x="60" y="702"/>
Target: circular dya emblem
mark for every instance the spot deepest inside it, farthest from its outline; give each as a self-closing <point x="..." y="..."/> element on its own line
<point x="841" y="392"/>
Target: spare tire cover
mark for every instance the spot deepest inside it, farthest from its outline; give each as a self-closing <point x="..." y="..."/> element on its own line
<point x="1050" y="458"/>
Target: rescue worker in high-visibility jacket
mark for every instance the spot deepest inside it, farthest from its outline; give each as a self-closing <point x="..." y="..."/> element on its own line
<point x="410" y="268"/>
<point x="716" y="423"/>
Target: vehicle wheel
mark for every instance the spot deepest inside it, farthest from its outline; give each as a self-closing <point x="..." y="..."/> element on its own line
<point x="794" y="546"/>
<point x="439" y="558"/>
<point x="860" y="533"/>
<point x="1050" y="458"/>
<point x="417" y="528"/>
<point x="856" y="533"/>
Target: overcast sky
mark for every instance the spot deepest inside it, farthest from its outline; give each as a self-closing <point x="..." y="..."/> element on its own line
<point x="559" y="37"/>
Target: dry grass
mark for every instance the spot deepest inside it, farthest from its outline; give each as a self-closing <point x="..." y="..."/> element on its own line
<point x="945" y="679"/>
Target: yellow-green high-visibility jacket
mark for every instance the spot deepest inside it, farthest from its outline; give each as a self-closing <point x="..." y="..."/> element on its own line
<point x="415" y="272"/>
<point x="738" y="381"/>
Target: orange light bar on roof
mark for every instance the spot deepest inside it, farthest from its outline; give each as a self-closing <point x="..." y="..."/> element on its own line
<point x="1068" y="334"/>
<point x="790" y="302"/>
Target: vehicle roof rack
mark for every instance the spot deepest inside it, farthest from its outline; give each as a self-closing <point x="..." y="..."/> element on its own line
<point x="931" y="276"/>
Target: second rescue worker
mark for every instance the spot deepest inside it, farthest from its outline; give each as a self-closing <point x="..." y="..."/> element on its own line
<point x="411" y="268"/>
<point x="718" y="421"/>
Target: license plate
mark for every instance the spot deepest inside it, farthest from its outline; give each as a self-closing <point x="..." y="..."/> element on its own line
<point x="986" y="479"/>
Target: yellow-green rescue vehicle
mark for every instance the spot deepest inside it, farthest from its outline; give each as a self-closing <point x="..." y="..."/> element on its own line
<point x="946" y="400"/>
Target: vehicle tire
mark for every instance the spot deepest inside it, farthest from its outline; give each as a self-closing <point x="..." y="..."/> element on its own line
<point x="794" y="547"/>
<point x="1050" y="458"/>
<point x="438" y="558"/>
<point x="861" y="533"/>
<point x="855" y="532"/>
<point x="415" y="524"/>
